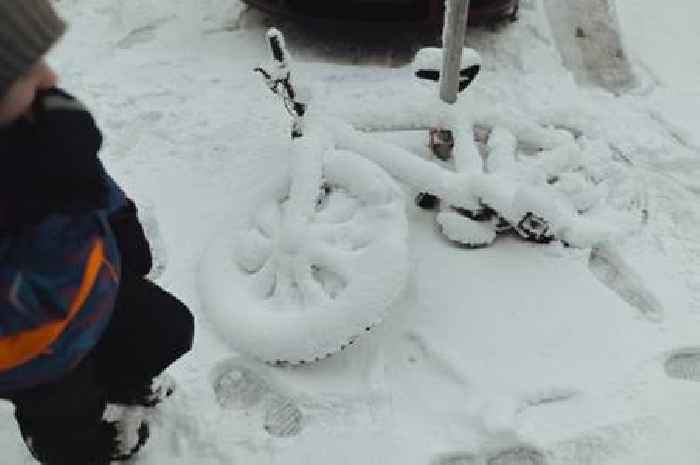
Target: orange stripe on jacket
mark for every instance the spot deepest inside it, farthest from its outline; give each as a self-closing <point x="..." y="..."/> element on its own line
<point x="20" y="348"/>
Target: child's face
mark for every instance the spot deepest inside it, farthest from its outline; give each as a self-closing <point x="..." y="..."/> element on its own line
<point x="18" y="99"/>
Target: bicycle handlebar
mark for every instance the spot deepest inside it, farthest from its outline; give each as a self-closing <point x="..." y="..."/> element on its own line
<point x="279" y="79"/>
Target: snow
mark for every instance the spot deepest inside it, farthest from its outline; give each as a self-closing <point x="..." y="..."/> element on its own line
<point x="663" y="55"/>
<point x="513" y="354"/>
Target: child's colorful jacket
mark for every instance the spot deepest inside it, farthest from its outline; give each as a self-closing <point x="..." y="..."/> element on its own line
<point x="60" y="264"/>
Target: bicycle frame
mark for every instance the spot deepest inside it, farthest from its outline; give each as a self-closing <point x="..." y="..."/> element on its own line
<point x="468" y="188"/>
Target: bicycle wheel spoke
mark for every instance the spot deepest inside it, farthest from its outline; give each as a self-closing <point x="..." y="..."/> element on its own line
<point x="338" y="208"/>
<point x="286" y="291"/>
<point x="331" y="284"/>
<point x="333" y="259"/>
<point x="265" y="281"/>
<point x="312" y="290"/>
<point x="253" y="250"/>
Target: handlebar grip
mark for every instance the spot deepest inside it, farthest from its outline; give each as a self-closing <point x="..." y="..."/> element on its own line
<point x="277" y="50"/>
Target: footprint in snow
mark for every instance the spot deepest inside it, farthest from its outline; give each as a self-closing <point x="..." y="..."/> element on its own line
<point x="419" y="350"/>
<point x="238" y="385"/>
<point x="521" y="455"/>
<point x="457" y="459"/>
<point x="684" y="364"/>
<point x="609" y="267"/>
<point x="143" y="34"/>
<point x="282" y="417"/>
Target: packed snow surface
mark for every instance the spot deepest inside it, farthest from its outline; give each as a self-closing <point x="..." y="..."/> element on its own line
<point x="513" y="354"/>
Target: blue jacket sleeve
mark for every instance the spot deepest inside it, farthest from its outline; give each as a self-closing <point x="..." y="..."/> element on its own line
<point x="131" y="239"/>
<point x="116" y="198"/>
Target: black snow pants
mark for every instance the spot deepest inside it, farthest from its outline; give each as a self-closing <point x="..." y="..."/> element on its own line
<point x="62" y="422"/>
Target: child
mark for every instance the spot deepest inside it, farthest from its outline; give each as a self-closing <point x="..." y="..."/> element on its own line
<point x="80" y="326"/>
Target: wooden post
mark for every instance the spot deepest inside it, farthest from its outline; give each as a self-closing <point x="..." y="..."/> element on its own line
<point x="454" y="30"/>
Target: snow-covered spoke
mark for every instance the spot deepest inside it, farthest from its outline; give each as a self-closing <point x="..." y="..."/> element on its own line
<point x="312" y="289"/>
<point x="264" y="282"/>
<point x="253" y="250"/>
<point x="332" y="283"/>
<point x="334" y="207"/>
<point x="325" y="256"/>
<point x="350" y="236"/>
<point x="286" y="295"/>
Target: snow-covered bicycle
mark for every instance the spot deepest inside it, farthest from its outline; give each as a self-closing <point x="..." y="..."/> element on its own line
<point x="322" y="261"/>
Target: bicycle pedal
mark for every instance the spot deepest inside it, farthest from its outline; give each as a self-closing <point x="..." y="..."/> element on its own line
<point x="502" y="225"/>
<point x="535" y="229"/>
<point x="481" y="214"/>
<point x="427" y="201"/>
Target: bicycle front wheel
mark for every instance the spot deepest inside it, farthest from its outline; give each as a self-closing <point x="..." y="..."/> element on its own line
<point x="297" y="291"/>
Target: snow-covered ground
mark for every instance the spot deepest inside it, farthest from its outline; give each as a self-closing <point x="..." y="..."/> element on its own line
<point x="518" y="354"/>
<point x="661" y="39"/>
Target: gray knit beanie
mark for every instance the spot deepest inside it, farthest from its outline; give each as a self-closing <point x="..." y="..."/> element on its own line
<point x="28" y="29"/>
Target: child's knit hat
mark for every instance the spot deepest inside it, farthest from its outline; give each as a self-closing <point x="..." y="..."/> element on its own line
<point x="28" y="29"/>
